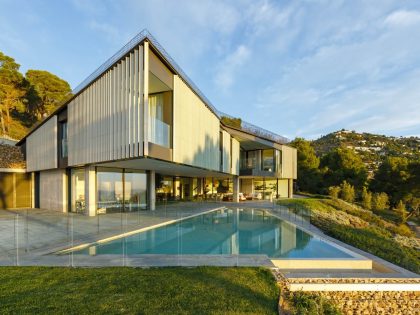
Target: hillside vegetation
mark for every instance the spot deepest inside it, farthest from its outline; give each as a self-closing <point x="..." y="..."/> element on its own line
<point x="331" y="166"/>
<point x="370" y="147"/>
<point x="27" y="98"/>
<point x="362" y="229"/>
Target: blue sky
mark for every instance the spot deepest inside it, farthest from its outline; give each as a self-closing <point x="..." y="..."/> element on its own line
<point x="298" y="68"/>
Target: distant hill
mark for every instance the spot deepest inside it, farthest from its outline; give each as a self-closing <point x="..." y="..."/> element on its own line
<point x="371" y="147"/>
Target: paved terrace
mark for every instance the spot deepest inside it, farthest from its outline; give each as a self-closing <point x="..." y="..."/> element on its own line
<point x="26" y="233"/>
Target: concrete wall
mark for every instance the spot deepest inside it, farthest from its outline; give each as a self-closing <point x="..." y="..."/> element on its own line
<point x="195" y="131"/>
<point x="53" y="190"/>
<point x="226" y="152"/>
<point x="283" y="188"/>
<point x="235" y="156"/>
<point x="41" y="147"/>
<point x="105" y="121"/>
<point x="289" y="162"/>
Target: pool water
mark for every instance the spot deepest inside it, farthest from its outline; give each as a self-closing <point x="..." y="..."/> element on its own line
<point x="223" y="232"/>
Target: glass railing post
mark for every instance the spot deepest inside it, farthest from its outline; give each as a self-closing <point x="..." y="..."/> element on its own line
<point x="16" y="238"/>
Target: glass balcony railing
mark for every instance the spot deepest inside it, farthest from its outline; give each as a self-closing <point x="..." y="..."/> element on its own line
<point x="159" y="132"/>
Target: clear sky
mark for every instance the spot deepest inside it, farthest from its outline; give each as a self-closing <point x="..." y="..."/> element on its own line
<point x="298" y="68"/>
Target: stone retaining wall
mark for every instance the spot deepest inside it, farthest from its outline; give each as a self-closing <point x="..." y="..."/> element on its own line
<point x="360" y="302"/>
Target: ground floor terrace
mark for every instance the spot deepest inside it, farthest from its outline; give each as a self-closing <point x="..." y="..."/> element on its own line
<point x="143" y="184"/>
<point x="251" y="233"/>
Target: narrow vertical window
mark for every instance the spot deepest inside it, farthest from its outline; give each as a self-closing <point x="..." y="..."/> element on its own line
<point x="63" y="140"/>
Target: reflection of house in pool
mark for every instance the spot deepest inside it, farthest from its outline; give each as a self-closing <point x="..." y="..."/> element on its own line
<point x="223" y="232"/>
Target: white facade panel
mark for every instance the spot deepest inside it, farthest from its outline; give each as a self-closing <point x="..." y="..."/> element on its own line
<point x="195" y="129"/>
<point x="289" y="162"/>
<point x="226" y="152"/>
<point x="235" y="156"/>
<point x="41" y="147"/>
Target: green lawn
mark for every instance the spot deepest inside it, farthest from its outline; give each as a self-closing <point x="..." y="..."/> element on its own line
<point x="203" y="290"/>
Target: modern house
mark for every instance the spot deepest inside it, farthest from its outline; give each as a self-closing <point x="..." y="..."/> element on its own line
<point x="138" y="132"/>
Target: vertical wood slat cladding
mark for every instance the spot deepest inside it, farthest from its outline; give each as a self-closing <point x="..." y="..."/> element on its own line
<point x="289" y="160"/>
<point x="195" y="129"/>
<point x="104" y="120"/>
<point x="41" y="147"/>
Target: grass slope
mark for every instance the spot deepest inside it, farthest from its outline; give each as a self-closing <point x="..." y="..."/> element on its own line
<point x="203" y="290"/>
<point x="362" y="229"/>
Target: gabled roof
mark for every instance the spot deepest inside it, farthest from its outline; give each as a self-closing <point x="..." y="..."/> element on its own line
<point x="145" y="35"/>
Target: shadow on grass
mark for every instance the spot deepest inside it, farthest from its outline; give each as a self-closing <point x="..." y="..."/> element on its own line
<point x="203" y="290"/>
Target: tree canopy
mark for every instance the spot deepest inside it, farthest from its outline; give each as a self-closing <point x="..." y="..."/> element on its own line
<point x="50" y="89"/>
<point x="26" y="99"/>
<point x="343" y="164"/>
<point x="11" y="90"/>
<point x="309" y="176"/>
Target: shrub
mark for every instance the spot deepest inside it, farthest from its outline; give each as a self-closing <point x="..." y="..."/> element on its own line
<point x="347" y="192"/>
<point x="231" y="121"/>
<point x="380" y="201"/>
<point x="334" y="191"/>
<point x="366" y="199"/>
<point x="312" y="304"/>
<point x="402" y="212"/>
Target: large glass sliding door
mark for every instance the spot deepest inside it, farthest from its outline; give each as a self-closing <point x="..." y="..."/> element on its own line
<point x="120" y="190"/>
<point x="109" y="183"/>
<point x="266" y="188"/>
<point x="135" y="190"/>
<point x="78" y="191"/>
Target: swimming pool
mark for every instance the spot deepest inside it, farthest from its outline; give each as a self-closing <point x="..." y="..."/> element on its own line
<point x="224" y="232"/>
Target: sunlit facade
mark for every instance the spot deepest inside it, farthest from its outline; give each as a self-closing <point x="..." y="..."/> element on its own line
<point x="138" y="132"/>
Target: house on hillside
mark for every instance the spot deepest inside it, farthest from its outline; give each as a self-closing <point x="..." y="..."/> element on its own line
<point x="138" y="132"/>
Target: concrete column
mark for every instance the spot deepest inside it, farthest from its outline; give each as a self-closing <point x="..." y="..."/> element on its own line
<point x="65" y="192"/>
<point x="191" y="192"/>
<point x="199" y="186"/>
<point x="290" y="190"/>
<point x="235" y="188"/>
<point x="151" y="189"/>
<point x="90" y="190"/>
<point x="33" y="190"/>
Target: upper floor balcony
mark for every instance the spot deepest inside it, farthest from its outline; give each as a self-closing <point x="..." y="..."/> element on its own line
<point x="159" y="132"/>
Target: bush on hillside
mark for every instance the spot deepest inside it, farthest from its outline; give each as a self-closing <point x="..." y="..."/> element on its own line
<point x="380" y="201"/>
<point x="401" y="211"/>
<point x="366" y="199"/>
<point x="347" y="192"/>
<point x="334" y="191"/>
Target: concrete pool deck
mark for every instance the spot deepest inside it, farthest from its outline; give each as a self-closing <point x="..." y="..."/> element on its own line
<point x="28" y="237"/>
